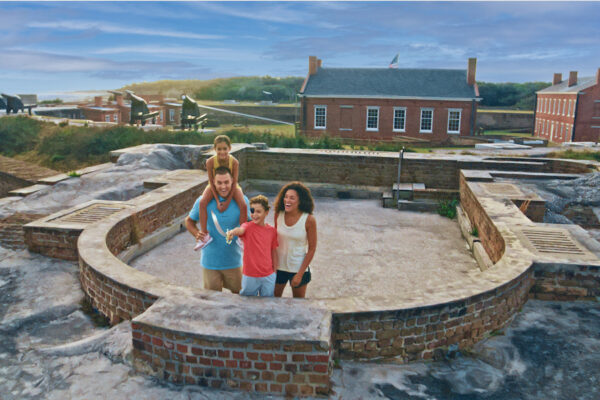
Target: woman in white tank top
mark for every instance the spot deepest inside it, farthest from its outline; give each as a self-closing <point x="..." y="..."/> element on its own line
<point x="297" y="238"/>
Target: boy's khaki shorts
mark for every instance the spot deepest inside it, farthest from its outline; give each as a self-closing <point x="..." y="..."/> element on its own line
<point x="225" y="278"/>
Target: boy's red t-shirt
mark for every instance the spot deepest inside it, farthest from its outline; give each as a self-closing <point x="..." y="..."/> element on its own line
<point x="258" y="243"/>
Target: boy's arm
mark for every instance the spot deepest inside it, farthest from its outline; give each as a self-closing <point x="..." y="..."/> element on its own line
<point x="211" y="178"/>
<point x="239" y="231"/>
<point x="274" y="259"/>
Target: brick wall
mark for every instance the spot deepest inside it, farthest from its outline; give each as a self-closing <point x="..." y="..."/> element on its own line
<point x="284" y="368"/>
<point x="114" y="300"/>
<point x="566" y="282"/>
<point x="347" y="169"/>
<point x="489" y="236"/>
<point x="56" y="243"/>
<point x="417" y="333"/>
<point x="354" y="126"/>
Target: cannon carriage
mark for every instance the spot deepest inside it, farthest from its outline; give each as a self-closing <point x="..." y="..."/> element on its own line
<point x="14" y="103"/>
<point x="190" y="114"/>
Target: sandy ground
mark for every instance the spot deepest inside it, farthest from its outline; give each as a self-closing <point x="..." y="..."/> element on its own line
<point x="362" y="250"/>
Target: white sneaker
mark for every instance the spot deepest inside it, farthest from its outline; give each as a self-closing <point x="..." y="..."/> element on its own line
<point x="200" y="244"/>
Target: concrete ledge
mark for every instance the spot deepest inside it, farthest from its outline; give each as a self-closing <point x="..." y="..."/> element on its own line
<point x="26" y="191"/>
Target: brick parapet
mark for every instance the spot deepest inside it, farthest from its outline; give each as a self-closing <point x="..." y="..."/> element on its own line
<point x="566" y="282"/>
<point x="489" y="235"/>
<point x="277" y="367"/>
<point x="55" y="243"/>
<point x="418" y="333"/>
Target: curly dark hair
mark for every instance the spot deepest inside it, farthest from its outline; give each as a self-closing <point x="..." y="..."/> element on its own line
<point x="306" y="203"/>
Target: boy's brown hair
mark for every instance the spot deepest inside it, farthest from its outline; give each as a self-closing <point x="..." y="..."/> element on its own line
<point x="222" y="139"/>
<point x="262" y="200"/>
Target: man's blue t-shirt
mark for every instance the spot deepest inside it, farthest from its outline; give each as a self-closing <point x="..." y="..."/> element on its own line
<point x="218" y="254"/>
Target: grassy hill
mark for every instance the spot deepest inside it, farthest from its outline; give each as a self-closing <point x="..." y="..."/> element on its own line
<point x="252" y="88"/>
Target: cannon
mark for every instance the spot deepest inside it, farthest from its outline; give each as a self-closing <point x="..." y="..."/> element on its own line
<point x="14" y="103"/>
<point x="139" y="110"/>
<point x="190" y="114"/>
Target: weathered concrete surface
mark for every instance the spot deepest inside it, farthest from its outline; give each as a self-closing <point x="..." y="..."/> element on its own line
<point x="551" y="351"/>
<point x="363" y="250"/>
<point x="231" y="318"/>
<point x="53" y="351"/>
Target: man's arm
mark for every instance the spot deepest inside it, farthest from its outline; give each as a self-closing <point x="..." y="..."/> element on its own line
<point x="192" y="228"/>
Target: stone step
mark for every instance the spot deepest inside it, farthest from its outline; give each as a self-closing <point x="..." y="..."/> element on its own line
<point x="26" y="191"/>
<point x="420" y="206"/>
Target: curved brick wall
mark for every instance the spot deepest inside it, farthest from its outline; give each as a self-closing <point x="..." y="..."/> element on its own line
<point x="411" y="329"/>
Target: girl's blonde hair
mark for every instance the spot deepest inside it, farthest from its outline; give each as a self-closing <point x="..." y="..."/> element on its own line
<point x="222" y="139"/>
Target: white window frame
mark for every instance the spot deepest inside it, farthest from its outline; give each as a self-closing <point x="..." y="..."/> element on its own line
<point x="430" y="130"/>
<point x="403" y="129"/>
<point x="459" y="110"/>
<point x="324" y="107"/>
<point x="372" y="108"/>
<point x="171" y="115"/>
<point x="572" y="108"/>
<point x="545" y="105"/>
<point x="116" y="117"/>
<point x="564" y="112"/>
<point x="107" y="117"/>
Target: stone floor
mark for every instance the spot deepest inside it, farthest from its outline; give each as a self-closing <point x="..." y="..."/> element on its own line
<point x="363" y="250"/>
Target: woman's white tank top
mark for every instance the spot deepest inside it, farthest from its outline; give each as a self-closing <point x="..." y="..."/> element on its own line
<point x="293" y="243"/>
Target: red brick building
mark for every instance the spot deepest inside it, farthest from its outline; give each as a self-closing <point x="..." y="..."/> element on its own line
<point x="119" y="111"/>
<point x="385" y="104"/>
<point x="100" y="112"/>
<point x="569" y="110"/>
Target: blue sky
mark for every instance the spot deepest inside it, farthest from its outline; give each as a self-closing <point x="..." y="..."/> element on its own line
<point x="66" y="46"/>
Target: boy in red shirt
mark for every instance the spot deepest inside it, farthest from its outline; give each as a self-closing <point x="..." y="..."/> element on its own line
<point x="260" y="244"/>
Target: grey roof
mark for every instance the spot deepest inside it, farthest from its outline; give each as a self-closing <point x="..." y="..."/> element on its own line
<point x="390" y="82"/>
<point x="563" y="87"/>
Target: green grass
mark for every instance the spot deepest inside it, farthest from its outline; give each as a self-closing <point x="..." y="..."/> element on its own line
<point x="593" y="155"/>
<point x="506" y="133"/>
<point x="271" y="129"/>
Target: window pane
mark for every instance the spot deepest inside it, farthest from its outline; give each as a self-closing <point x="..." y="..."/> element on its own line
<point x="426" y="117"/>
<point x="320" y="117"/>
<point x="372" y="118"/>
<point x="399" y="118"/>
<point x="453" y="121"/>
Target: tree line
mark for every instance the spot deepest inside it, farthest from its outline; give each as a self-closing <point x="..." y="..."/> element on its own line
<point x="284" y="90"/>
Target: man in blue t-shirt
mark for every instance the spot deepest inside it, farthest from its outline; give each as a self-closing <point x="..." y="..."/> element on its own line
<point x="221" y="262"/>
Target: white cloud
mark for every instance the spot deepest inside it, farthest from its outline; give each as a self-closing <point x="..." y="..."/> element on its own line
<point x="122" y="29"/>
<point x="184" y="52"/>
<point x="271" y="12"/>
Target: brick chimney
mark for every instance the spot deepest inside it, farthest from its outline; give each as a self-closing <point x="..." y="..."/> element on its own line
<point x="471" y="71"/>
<point x="119" y="99"/>
<point x="598" y="77"/>
<point x="312" y="65"/>
<point x="98" y="101"/>
<point x="319" y="63"/>
<point x="572" y="78"/>
<point x="557" y="78"/>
